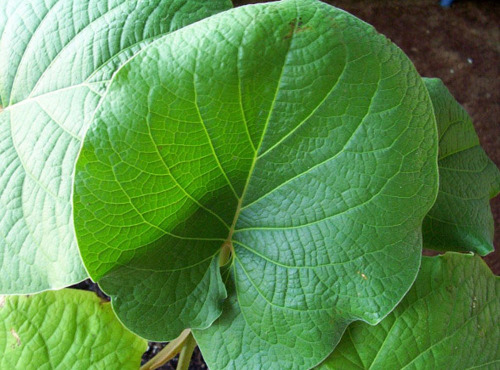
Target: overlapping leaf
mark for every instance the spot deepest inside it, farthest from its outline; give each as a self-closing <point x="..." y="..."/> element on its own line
<point x="291" y="132"/>
<point x="56" y="59"/>
<point x="67" y="329"/>
<point x="461" y="217"/>
<point x="449" y="319"/>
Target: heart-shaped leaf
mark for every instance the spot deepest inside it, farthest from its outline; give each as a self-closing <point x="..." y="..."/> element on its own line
<point x="461" y="218"/>
<point x="67" y="329"/>
<point x="449" y="319"/>
<point x="56" y="57"/>
<point x="290" y="134"/>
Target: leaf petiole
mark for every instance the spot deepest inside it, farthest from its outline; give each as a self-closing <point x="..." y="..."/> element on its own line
<point x="186" y="353"/>
<point x="169" y="352"/>
<point x="225" y="253"/>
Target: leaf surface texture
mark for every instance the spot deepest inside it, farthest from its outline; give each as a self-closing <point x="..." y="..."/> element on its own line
<point x="66" y="329"/>
<point x="292" y="132"/>
<point x="56" y="60"/>
<point x="449" y="319"/>
<point x="461" y="218"/>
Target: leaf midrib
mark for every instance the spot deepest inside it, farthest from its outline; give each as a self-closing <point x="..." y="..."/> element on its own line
<point x="256" y="156"/>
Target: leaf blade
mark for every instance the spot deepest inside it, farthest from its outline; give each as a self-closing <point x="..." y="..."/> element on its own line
<point x="221" y="115"/>
<point x="49" y="95"/>
<point x="65" y="329"/>
<point x="461" y="219"/>
<point x="458" y="297"/>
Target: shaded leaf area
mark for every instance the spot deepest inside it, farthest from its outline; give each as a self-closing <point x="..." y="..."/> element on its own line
<point x="449" y="319"/>
<point x="66" y="329"/>
<point x="293" y="133"/>
<point x="56" y="60"/>
<point x="461" y="217"/>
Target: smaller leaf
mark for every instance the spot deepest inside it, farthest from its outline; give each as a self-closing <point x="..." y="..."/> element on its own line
<point x="448" y="320"/>
<point x="461" y="216"/>
<point x="66" y="329"/>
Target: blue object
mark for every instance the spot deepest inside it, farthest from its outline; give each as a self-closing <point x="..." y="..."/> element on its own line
<point x="446" y="3"/>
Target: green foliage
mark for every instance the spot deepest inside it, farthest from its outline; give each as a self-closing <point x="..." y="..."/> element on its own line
<point x="460" y="220"/>
<point x="448" y="320"/>
<point x="265" y="177"/>
<point x="320" y="200"/>
<point x="66" y="329"/>
<point x="49" y="96"/>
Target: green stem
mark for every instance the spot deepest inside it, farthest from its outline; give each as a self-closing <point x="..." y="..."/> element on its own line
<point x="225" y="253"/>
<point x="186" y="353"/>
<point x="167" y="353"/>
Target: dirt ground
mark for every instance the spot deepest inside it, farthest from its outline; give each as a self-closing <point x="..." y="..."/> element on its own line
<point x="460" y="45"/>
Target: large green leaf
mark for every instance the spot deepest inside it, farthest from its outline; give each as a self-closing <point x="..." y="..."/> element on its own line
<point x="290" y="133"/>
<point x="461" y="217"/>
<point x="67" y="329"/>
<point x="56" y="57"/>
<point x="450" y="319"/>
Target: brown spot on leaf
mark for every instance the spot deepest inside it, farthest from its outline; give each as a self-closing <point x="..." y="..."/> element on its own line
<point x="16" y="337"/>
<point x="296" y="26"/>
